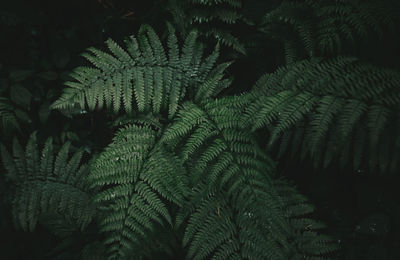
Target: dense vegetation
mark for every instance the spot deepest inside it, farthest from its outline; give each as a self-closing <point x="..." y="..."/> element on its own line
<point x="200" y="129"/>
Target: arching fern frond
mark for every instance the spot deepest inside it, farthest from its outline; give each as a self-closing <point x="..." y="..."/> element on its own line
<point x="47" y="184"/>
<point x="143" y="78"/>
<point x="138" y="178"/>
<point x="344" y="107"/>
<point x="315" y="28"/>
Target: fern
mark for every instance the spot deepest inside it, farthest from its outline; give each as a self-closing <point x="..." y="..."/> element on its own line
<point x="233" y="211"/>
<point x="315" y="28"/>
<point x="332" y="100"/>
<point x="184" y="174"/>
<point x="229" y="183"/>
<point x="220" y="15"/>
<point x="9" y="120"/>
<point x="137" y="176"/>
<point x="185" y="165"/>
<point x="141" y="79"/>
<point x="47" y="184"/>
<point x="306" y="236"/>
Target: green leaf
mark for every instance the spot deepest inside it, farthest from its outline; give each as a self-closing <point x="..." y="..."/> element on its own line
<point x="20" y="75"/>
<point x="20" y="95"/>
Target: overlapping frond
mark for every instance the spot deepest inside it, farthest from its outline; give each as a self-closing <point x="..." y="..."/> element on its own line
<point x="314" y="28"/>
<point x="339" y="108"/>
<point x="47" y="184"/>
<point x="143" y="78"/>
<point x="138" y="177"/>
<point x="232" y="211"/>
<point x="198" y="168"/>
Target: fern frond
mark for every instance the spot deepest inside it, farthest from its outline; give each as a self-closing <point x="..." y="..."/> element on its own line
<point x="213" y="19"/>
<point x="192" y="166"/>
<point x="316" y="28"/>
<point x="8" y="118"/>
<point x="137" y="177"/>
<point x="45" y="186"/>
<point x="332" y="99"/>
<point x="142" y="78"/>
<point x="232" y="212"/>
<point x="308" y="242"/>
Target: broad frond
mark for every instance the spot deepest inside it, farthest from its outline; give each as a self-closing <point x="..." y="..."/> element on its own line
<point x="137" y="177"/>
<point x="45" y="186"/>
<point x="316" y="28"/>
<point x="232" y="212"/>
<point x="332" y="99"/>
<point x="143" y="78"/>
<point x="308" y="242"/>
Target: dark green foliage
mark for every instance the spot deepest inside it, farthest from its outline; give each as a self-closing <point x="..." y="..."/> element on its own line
<point x="137" y="176"/>
<point x="214" y="19"/>
<point x="47" y="183"/>
<point x="307" y="242"/>
<point x="159" y="83"/>
<point x="8" y="118"/>
<point x="335" y="110"/>
<point x="230" y="185"/>
<point x="319" y="28"/>
<point x="159" y="148"/>
<point x="231" y="209"/>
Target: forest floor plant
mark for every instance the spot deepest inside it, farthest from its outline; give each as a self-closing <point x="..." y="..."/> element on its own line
<point x="160" y="147"/>
<point x="181" y="165"/>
